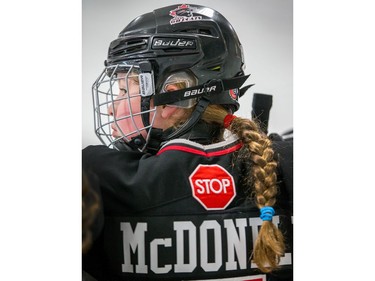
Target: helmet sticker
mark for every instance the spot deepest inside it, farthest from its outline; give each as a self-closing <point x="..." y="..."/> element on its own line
<point x="183" y="13"/>
<point x="145" y="84"/>
<point x="233" y="93"/>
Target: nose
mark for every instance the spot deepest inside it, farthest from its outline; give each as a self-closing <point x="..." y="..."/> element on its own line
<point x="111" y="108"/>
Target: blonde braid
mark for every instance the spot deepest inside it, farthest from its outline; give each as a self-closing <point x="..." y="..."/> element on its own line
<point x="261" y="179"/>
<point x="269" y="245"/>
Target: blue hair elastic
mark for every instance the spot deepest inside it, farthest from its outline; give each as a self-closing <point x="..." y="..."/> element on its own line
<point x="266" y="213"/>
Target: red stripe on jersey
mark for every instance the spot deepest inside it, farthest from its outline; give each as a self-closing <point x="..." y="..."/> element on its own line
<point x="200" y="152"/>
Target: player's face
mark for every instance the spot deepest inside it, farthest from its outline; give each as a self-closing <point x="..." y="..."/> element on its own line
<point x="127" y="107"/>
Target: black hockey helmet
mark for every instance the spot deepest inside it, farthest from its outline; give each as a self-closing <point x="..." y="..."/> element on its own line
<point x="180" y="37"/>
<point x="177" y="38"/>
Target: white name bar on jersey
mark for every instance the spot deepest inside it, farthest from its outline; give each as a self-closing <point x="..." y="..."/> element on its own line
<point x="237" y="256"/>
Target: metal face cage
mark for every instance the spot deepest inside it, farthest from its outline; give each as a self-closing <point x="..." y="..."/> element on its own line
<point x="117" y="94"/>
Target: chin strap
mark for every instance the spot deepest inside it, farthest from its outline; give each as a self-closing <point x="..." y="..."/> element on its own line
<point x="136" y="144"/>
<point x="145" y="107"/>
<point x="155" y="140"/>
<point x="194" y="118"/>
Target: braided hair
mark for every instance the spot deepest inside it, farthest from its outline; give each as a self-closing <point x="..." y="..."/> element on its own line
<point x="260" y="180"/>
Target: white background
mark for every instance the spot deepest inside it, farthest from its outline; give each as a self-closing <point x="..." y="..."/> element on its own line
<point x="41" y="139"/>
<point x="265" y="29"/>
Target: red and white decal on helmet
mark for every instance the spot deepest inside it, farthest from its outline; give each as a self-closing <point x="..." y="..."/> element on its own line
<point x="183" y="13"/>
<point x="212" y="186"/>
<point x="233" y="93"/>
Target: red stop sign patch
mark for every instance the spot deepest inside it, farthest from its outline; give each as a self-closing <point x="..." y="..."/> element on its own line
<point x="212" y="186"/>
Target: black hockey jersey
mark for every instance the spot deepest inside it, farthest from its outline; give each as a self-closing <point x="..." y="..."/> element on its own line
<point x="181" y="214"/>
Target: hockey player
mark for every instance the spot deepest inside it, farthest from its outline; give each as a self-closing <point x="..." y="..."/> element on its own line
<point x="189" y="191"/>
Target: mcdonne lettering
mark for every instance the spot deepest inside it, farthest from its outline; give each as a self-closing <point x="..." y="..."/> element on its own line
<point x="229" y="233"/>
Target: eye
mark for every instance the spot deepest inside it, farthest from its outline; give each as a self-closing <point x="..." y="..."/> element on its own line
<point x="123" y="91"/>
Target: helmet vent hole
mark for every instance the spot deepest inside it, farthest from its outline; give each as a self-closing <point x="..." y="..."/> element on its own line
<point x="129" y="46"/>
<point x="203" y="31"/>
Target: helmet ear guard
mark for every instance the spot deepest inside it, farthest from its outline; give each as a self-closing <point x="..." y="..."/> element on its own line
<point x="180" y="80"/>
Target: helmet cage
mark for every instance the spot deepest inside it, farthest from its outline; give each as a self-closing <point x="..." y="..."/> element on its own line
<point x="109" y="93"/>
